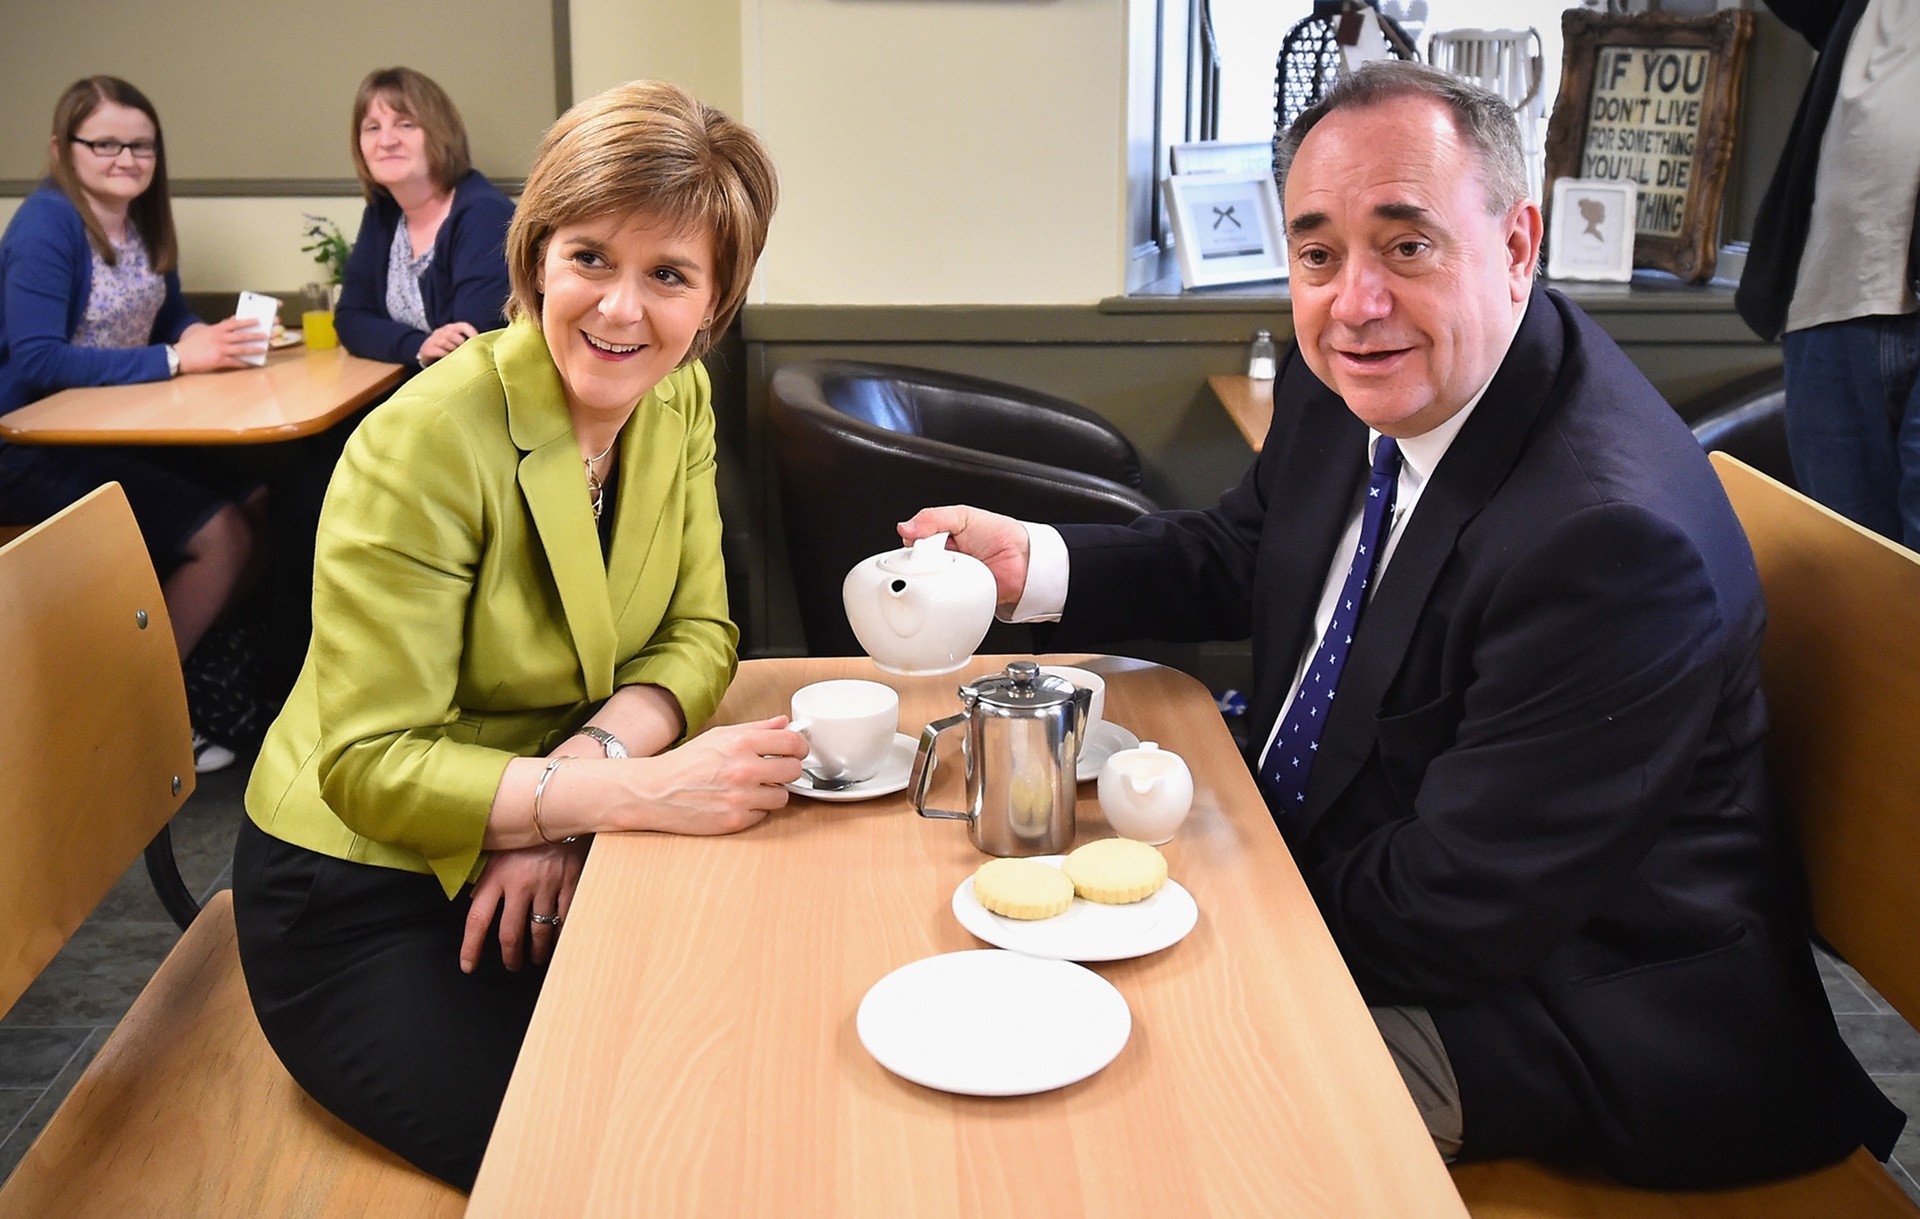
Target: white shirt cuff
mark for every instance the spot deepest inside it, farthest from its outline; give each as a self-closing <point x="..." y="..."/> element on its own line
<point x="1046" y="592"/>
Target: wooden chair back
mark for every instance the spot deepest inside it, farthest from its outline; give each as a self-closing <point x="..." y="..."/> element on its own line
<point x="95" y="750"/>
<point x="1842" y="676"/>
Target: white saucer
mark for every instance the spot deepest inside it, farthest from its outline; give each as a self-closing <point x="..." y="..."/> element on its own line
<point x="1088" y="931"/>
<point x="990" y="1023"/>
<point x="1106" y="739"/>
<point x="891" y="777"/>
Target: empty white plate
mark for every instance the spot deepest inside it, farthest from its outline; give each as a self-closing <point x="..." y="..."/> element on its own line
<point x="1088" y="931"/>
<point x="992" y="1023"/>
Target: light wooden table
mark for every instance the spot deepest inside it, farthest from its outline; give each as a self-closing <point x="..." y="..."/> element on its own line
<point x="296" y="393"/>
<point x="1250" y="402"/>
<point x="694" y="1052"/>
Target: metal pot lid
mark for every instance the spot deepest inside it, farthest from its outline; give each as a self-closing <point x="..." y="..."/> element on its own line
<point x="1023" y="687"/>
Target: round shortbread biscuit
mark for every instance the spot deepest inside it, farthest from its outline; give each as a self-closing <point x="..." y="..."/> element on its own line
<point x="1116" y="871"/>
<point x="1022" y="888"/>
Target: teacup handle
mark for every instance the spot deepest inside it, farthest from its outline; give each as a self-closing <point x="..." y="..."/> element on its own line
<point x="924" y="759"/>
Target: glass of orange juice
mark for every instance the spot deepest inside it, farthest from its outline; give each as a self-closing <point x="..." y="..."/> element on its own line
<point x="317" y="327"/>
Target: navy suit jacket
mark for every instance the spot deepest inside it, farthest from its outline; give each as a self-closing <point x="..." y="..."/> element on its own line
<point x="1539" y="808"/>
<point x="466" y="283"/>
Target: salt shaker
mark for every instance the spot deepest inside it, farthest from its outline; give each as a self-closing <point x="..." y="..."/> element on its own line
<point x="1260" y="360"/>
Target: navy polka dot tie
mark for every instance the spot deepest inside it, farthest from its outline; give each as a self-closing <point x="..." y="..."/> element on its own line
<point x="1289" y="760"/>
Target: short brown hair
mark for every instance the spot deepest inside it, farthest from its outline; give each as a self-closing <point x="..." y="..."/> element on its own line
<point x="1483" y="120"/>
<point x="648" y="147"/>
<point x="152" y="213"/>
<point x="415" y="95"/>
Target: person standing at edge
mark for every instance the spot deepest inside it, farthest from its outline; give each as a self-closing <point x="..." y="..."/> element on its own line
<point x="1536" y="818"/>
<point x="1835" y="263"/>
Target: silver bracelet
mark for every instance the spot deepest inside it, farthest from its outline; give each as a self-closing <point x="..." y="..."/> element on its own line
<point x="539" y="790"/>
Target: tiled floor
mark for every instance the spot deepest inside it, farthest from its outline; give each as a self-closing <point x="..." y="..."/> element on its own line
<point x="52" y="1033"/>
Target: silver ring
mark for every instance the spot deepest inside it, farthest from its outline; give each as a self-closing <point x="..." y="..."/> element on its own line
<point x="551" y="920"/>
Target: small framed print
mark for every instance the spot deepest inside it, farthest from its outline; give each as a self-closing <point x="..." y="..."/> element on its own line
<point x="1221" y="157"/>
<point x="1226" y="228"/>
<point x="1593" y="230"/>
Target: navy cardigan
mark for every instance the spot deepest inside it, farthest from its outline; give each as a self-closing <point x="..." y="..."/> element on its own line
<point x="46" y="274"/>
<point x="466" y="283"/>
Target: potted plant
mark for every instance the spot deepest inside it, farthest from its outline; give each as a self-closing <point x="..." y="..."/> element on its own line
<point x="329" y="249"/>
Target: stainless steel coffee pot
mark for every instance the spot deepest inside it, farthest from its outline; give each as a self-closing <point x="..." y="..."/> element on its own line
<point x="1023" y="731"/>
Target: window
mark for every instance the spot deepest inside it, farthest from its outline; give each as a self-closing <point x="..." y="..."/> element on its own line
<point x="1218" y="62"/>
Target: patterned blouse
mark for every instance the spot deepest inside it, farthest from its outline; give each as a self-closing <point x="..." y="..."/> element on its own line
<point x="403" y="280"/>
<point x="124" y="299"/>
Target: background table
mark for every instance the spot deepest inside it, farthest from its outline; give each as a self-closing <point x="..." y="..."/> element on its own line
<point x="1250" y="402"/>
<point x="297" y="393"/>
<point x="694" y="1051"/>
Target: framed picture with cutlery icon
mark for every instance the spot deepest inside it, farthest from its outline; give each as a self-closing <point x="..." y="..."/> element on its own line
<point x="1226" y="228"/>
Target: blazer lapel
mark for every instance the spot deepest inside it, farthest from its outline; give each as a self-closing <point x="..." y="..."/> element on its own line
<point x="554" y="483"/>
<point x="1309" y="498"/>
<point x="1475" y="466"/>
<point x="651" y="448"/>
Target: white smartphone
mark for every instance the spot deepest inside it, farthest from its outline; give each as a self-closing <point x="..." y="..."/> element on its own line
<point x="262" y="311"/>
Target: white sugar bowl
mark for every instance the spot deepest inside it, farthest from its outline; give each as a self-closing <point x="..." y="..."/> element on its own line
<point x="1146" y="793"/>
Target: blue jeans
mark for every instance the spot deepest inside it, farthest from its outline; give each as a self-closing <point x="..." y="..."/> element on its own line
<point x="1853" y="420"/>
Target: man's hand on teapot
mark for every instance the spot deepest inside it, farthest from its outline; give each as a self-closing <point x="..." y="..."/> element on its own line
<point x="998" y="541"/>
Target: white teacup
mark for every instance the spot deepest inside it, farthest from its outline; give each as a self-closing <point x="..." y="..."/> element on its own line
<point x="1146" y="793"/>
<point x="849" y="726"/>
<point x="1088" y="680"/>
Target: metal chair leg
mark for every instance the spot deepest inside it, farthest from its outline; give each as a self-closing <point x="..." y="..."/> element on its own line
<point x="164" y="871"/>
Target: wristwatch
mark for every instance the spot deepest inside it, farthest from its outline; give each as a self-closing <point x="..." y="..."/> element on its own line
<point x="608" y="741"/>
<point x="173" y="360"/>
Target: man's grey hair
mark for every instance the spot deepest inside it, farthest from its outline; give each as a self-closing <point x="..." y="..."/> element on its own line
<point x="1485" y="122"/>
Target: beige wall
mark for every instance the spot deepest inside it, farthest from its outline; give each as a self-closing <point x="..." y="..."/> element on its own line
<point x="941" y="151"/>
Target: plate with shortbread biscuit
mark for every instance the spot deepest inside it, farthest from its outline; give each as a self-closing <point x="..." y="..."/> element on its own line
<point x="1116" y="902"/>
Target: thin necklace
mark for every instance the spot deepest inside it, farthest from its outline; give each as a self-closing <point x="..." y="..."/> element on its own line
<point x="596" y="489"/>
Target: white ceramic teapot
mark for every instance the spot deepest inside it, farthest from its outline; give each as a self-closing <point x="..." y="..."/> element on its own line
<point x="1146" y="793"/>
<point x="921" y="609"/>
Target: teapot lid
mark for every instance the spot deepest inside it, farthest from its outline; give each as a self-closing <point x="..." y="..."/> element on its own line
<point x="930" y="553"/>
<point x="1022" y="687"/>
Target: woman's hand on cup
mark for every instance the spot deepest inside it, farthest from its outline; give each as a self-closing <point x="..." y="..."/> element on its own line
<point x="531" y="890"/>
<point x="210" y="348"/>
<point x="442" y="341"/>
<point x="998" y="541"/>
<point x="723" y="780"/>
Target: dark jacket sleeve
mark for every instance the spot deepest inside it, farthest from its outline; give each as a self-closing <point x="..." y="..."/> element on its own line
<point x="361" y="316"/>
<point x="45" y="270"/>
<point x="473" y="248"/>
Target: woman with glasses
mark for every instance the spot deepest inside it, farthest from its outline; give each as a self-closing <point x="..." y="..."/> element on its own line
<point x="428" y="271"/>
<point x="89" y="295"/>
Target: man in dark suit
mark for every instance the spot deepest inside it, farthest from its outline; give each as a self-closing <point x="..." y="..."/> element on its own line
<point x="1536" y="818"/>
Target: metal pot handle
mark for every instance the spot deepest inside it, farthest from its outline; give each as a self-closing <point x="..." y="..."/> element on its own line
<point x="924" y="759"/>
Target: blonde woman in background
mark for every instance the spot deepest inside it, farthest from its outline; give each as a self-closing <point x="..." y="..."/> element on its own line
<point x="428" y="269"/>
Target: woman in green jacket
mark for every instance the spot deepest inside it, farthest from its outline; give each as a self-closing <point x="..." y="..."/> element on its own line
<point x="520" y="618"/>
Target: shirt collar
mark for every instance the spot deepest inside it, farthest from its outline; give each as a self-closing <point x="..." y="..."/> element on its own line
<point x="1420" y="455"/>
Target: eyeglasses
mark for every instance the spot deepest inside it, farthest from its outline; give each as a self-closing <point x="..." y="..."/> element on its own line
<point x="142" y="150"/>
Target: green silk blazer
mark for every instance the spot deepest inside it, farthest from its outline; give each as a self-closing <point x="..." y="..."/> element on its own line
<point x="463" y="616"/>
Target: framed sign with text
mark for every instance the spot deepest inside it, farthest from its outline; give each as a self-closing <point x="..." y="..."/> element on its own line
<point x="1654" y="100"/>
